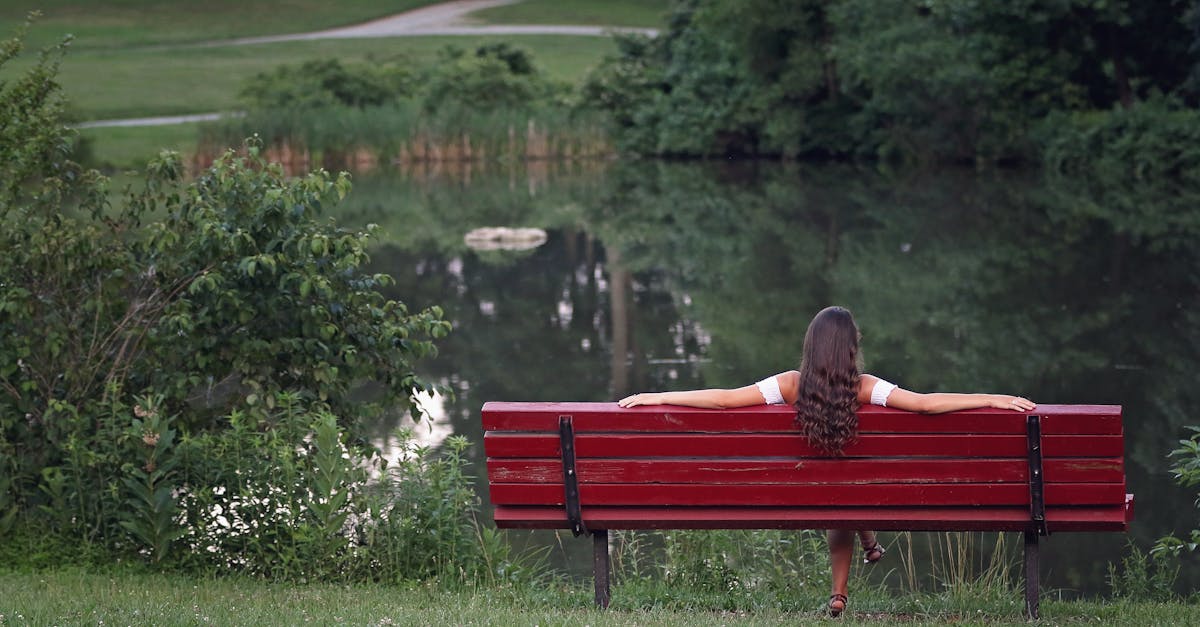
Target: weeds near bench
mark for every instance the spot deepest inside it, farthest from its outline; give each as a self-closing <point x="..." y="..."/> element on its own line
<point x="958" y="560"/>
<point x="724" y="560"/>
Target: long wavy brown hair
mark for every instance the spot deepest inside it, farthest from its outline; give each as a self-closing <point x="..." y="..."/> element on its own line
<point x="827" y="406"/>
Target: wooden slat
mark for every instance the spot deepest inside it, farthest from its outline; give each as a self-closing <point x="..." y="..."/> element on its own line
<point x="806" y="471"/>
<point x="914" y="519"/>
<point x="1056" y="419"/>
<point x="672" y="467"/>
<point x="795" y="445"/>
<point x="809" y="495"/>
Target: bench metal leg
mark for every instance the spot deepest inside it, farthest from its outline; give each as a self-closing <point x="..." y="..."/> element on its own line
<point x="600" y="566"/>
<point x="1031" y="574"/>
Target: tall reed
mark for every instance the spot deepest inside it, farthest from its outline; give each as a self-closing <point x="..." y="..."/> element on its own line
<point x="957" y="560"/>
<point x="361" y="138"/>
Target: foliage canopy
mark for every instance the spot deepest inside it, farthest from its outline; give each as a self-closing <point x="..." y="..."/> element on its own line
<point x="956" y="80"/>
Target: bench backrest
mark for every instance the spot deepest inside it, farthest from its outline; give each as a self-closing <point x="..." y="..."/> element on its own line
<point x="669" y="466"/>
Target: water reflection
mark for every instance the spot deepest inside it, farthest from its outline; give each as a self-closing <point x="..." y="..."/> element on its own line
<point x="668" y="276"/>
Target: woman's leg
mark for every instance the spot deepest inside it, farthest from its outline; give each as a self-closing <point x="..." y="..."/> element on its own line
<point x="872" y="550"/>
<point x="841" y="547"/>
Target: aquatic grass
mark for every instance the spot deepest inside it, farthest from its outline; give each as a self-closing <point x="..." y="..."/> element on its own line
<point x="359" y="138"/>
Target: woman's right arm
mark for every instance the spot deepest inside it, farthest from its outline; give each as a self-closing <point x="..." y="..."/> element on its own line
<point x="783" y="392"/>
<point x="709" y="399"/>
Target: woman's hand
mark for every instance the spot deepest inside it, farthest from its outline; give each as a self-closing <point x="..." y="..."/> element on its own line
<point x="1015" y="403"/>
<point x="645" y="398"/>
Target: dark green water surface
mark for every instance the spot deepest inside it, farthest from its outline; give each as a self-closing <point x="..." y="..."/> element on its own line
<point x="660" y="276"/>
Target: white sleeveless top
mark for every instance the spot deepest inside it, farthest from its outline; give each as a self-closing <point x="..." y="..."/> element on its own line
<point x="771" y="394"/>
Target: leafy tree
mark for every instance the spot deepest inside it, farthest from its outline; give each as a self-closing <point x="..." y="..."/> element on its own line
<point x="1187" y="474"/>
<point x="213" y="295"/>
<point x="952" y="80"/>
<point x="495" y="76"/>
<point x="725" y="78"/>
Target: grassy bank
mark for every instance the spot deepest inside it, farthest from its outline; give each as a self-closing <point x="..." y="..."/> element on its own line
<point x="138" y="82"/>
<point x="135" y="58"/>
<point x="122" y="147"/>
<point x="75" y="598"/>
<point x="126" y="23"/>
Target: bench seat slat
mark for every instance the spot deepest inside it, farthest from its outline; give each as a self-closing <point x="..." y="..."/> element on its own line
<point x="1058" y="519"/>
<point x="1056" y="419"/>
<point x="804" y="471"/>
<point x="795" y="445"/>
<point x="898" y="494"/>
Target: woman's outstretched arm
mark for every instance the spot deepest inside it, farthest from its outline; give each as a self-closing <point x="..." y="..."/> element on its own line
<point x="709" y="399"/>
<point x="941" y="402"/>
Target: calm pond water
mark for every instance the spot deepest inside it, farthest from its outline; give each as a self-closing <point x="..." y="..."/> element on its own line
<point x="663" y="276"/>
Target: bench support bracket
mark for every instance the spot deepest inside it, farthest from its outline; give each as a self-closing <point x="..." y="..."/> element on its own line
<point x="566" y="434"/>
<point x="1037" y="514"/>
<point x="1037" y="490"/>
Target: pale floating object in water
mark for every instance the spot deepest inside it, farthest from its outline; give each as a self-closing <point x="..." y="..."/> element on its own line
<point x="504" y="238"/>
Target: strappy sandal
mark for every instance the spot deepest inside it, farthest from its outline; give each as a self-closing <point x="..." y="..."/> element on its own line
<point x="873" y="553"/>
<point x="837" y="604"/>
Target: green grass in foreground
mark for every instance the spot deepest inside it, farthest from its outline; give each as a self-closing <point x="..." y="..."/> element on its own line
<point x="119" y="23"/>
<point x="641" y="13"/>
<point x="75" y="598"/>
<point x="105" y="84"/>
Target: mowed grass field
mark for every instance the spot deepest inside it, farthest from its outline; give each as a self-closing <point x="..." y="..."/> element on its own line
<point x="127" y="83"/>
<point x="639" y="13"/>
<point x="125" y="23"/>
<point x="80" y="598"/>
<point x="141" y="58"/>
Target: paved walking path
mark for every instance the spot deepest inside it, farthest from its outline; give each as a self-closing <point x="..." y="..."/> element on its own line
<point x="446" y="18"/>
<point x="165" y="120"/>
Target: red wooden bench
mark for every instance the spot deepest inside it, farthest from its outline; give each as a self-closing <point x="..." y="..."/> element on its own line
<point x="591" y="467"/>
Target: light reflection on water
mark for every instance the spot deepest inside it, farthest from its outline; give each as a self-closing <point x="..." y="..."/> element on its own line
<point x="687" y="275"/>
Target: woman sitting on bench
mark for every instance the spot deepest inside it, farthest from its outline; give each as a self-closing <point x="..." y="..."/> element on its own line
<point x="827" y="392"/>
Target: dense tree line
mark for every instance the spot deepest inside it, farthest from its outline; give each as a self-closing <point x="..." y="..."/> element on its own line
<point x="930" y="80"/>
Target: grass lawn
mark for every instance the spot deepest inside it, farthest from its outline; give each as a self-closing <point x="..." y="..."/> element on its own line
<point x="641" y="13"/>
<point x="79" y="598"/>
<point x="106" y="84"/>
<point x="123" y="147"/>
<point x="124" y="23"/>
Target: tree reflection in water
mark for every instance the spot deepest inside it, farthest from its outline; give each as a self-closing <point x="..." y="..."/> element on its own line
<point x="665" y="276"/>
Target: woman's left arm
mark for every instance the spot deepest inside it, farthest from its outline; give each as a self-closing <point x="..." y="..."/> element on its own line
<point x="941" y="402"/>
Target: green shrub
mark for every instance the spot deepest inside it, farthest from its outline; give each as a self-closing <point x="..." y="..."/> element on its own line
<point x="1156" y="139"/>
<point x="496" y="76"/>
<point x="327" y="82"/>
<point x="176" y="370"/>
<point x="1187" y="474"/>
<point x="490" y="103"/>
<point x="1143" y="576"/>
